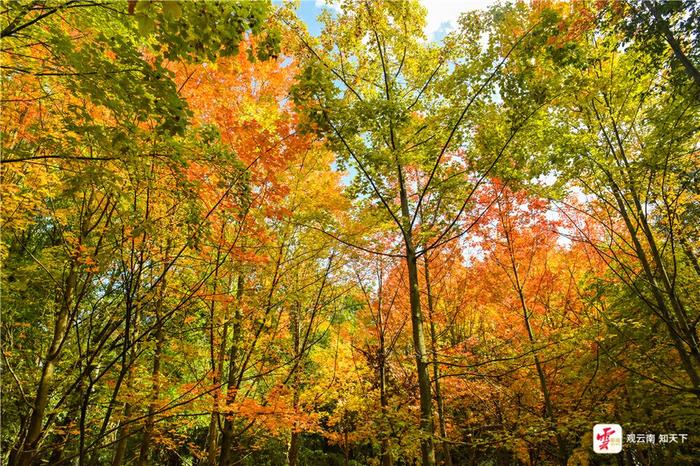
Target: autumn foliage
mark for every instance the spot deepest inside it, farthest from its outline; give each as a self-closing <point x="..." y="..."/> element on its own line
<point x="227" y="240"/>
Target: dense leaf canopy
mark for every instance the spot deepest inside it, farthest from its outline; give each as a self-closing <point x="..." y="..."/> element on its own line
<point x="228" y="241"/>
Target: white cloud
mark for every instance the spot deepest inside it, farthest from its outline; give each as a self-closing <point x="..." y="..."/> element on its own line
<point x="326" y="4"/>
<point x="443" y="14"/>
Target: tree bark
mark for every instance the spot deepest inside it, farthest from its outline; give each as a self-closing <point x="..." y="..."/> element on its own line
<point x="436" y="368"/>
<point x="217" y="361"/>
<point x="35" y="429"/>
<point x="426" y="401"/>
<point x="60" y="439"/>
<point x="293" y="451"/>
<point x="155" y="377"/>
<point x="665" y="30"/>
<point x="124" y="431"/>
<point x="227" y="434"/>
<point x="295" y="438"/>
<point x="383" y="397"/>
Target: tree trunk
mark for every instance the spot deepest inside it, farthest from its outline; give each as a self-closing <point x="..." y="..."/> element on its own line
<point x="426" y="401"/>
<point x="675" y="333"/>
<point x="124" y="430"/>
<point x="383" y="398"/>
<point x="436" y="368"/>
<point x="217" y="362"/>
<point x="215" y="420"/>
<point x="155" y="376"/>
<point x="59" y="442"/>
<point x="293" y="451"/>
<point x="295" y="438"/>
<point x="562" y="455"/>
<point x="35" y="430"/>
<point x="663" y="27"/>
<point x="227" y="434"/>
<point x="122" y="433"/>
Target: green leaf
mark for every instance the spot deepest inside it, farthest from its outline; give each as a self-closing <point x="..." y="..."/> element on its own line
<point x="172" y="10"/>
<point x="146" y="24"/>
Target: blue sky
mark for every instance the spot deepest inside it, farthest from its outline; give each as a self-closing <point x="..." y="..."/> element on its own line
<point x="442" y="14"/>
<point x="442" y="17"/>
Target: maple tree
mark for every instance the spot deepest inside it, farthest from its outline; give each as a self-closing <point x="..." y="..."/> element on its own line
<point x="229" y="240"/>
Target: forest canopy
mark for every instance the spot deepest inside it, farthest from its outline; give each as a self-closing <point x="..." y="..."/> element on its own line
<point x="234" y="233"/>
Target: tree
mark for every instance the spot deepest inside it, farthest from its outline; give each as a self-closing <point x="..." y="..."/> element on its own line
<point x="57" y="56"/>
<point x="371" y="94"/>
<point x="635" y="143"/>
<point x="228" y="241"/>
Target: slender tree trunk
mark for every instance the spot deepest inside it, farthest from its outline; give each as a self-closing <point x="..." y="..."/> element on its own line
<point x="13" y="457"/>
<point x="548" y="406"/>
<point x="35" y="429"/>
<point x="426" y="401"/>
<point x="227" y="434"/>
<point x="383" y="398"/>
<point x="124" y="430"/>
<point x="59" y="442"/>
<point x="295" y="438"/>
<point x="387" y="460"/>
<point x="293" y="450"/>
<point x="675" y="333"/>
<point x="150" y="419"/>
<point x="123" y="373"/>
<point x="426" y="406"/>
<point x="663" y="27"/>
<point x="436" y="368"/>
<point x="214" y="422"/>
<point x="92" y="366"/>
<point x="217" y="362"/>
<point x="155" y="376"/>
